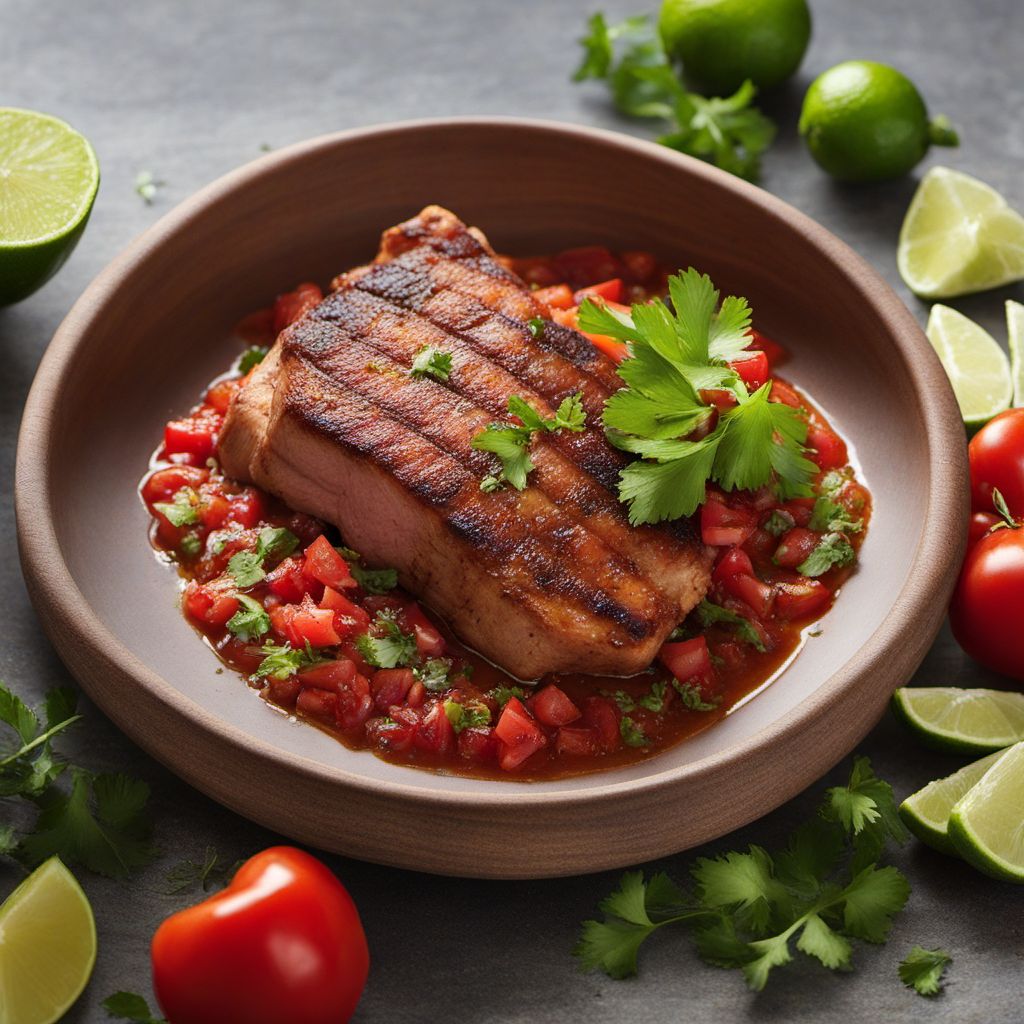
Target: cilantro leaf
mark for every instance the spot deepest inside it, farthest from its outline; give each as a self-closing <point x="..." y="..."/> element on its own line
<point x="871" y="900"/>
<point x="373" y="581"/>
<point x="693" y="699"/>
<point x="743" y="883"/>
<point x="779" y="522"/>
<point x="434" y="674"/>
<point x="275" y="543"/>
<point x="211" y="871"/>
<point x="252" y="356"/>
<point x="183" y="510"/>
<point x="569" y="415"/>
<point x="922" y="970"/>
<point x="246" y="568"/>
<point x="130" y="1006"/>
<point x="251" y="621"/>
<point x="631" y="733"/>
<point x="829" y="516"/>
<point x="708" y="614"/>
<point x="431" y="362"/>
<point x="472" y="714"/>
<point x="100" y="824"/>
<point x="536" y="326"/>
<point x="283" y="661"/>
<point x="501" y="695"/>
<point x="28" y="767"/>
<point x="391" y="649"/>
<point x="833" y="551"/>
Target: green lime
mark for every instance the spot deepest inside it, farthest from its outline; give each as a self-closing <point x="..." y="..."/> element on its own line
<point x="975" y="364"/>
<point x="864" y="121"/>
<point x="47" y="946"/>
<point x="722" y="43"/>
<point x="926" y="812"/>
<point x="959" y="236"/>
<point x="48" y="181"/>
<point x="987" y="825"/>
<point x="1015" y="335"/>
<point x="961" y="721"/>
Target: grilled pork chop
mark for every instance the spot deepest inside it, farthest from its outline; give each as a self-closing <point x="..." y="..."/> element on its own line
<point x="549" y="579"/>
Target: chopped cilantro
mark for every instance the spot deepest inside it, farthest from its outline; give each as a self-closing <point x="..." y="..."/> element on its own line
<point x="471" y="715"/>
<point x="275" y="543"/>
<point x="146" y="185"/>
<point x="190" y="545"/>
<point x="183" y="510"/>
<point x="205" y="874"/>
<point x="434" y="674"/>
<point x="391" y="649"/>
<point x="632" y="734"/>
<point x="828" y="515"/>
<point x="833" y="482"/>
<point x="252" y="356"/>
<point x="250" y="622"/>
<point x="536" y="326"/>
<point x="491" y="483"/>
<point x="779" y="522"/>
<point x="652" y="701"/>
<point x="501" y="695"/>
<point x="708" y="614"/>
<point x="375" y="581"/>
<point x="431" y="362"/>
<point x="833" y="551"/>
<point x="693" y="699"/>
<point x="283" y="661"/>
<point x="922" y="970"/>
<point x="246" y="568"/>
<point x="130" y="1006"/>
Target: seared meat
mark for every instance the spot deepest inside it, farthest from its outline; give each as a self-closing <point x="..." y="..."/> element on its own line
<point x="549" y="579"/>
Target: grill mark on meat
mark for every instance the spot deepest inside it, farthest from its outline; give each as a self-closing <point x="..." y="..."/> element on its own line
<point x="527" y="519"/>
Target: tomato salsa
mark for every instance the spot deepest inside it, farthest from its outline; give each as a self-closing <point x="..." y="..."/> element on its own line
<point x="321" y="635"/>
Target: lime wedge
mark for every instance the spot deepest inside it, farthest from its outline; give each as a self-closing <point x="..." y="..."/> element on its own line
<point x="959" y="236"/>
<point x="987" y="825"/>
<point x="1015" y="333"/>
<point x="48" y="181"/>
<point x="47" y="946"/>
<point x="926" y="812"/>
<point x="975" y="364"/>
<point x="958" y="721"/>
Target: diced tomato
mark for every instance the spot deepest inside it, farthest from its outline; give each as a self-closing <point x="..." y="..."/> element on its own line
<point x="257" y="328"/>
<point x="749" y="589"/>
<point x="319" y="704"/>
<point x="195" y="436"/>
<point x="284" y="691"/>
<point x="721" y="525"/>
<point x="686" y="659"/>
<point x="733" y="561"/>
<point x="828" y="449"/>
<point x="566" y="317"/>
<point x="611" y="290"/>
<point x="602" y="716"/>
<point x="760" y="545"/>
<point x="640" y="266"/>
<point x="287" y="581"/>
<point x="558" y="296"/>
<point x="395" y="733"/>
<point x="719" y="398"/>
<point x="801" y="600"/>
<point x="389" y="686"/>
<point x="577" y="740"/>
<point x="220" y="394"/>
<point x="290" y="306"/>
<point x="307" y="528"/>
<point x="538" y="272"/>
<point x="165" y="483"/>
<point x="313" y="625"/>
<point x="213" y="509"/>
<point x="795" y="547"/>
<point x="551" y="706"/>
<point x="417" y="695"/>
<point x="800" y="509"/>
<point x="478" y="744"/>
<point x="773" y="351"/>
<point x="587" y="264"/>
<point x="753" y="371"/>
<point x="731" y="653"/>
<point x="206" y="603"/>
<point x="349" y="619"/>
<point x="429" y="642"/>
<point x="353" y="704"/>
<point x="246" y="508"/>
<point x="613" y="348"/>
<point x="782" y="392"/>
<point x="519" y="734"/>
<point x="324" y="564"/>
<point x="349" y="650"/>
<point x="435" y="733"/>
<point x="335" y="676"/>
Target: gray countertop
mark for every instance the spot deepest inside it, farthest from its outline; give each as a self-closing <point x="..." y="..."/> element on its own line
<point x="189" y="90"/>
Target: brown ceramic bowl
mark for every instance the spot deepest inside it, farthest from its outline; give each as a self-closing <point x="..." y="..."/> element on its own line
<point x="153" y="328"/>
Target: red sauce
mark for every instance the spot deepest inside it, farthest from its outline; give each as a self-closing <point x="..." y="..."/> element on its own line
<point x="442" y="706"/>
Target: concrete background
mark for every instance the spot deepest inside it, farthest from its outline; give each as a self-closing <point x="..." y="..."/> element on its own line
<point x="189" y="90"/>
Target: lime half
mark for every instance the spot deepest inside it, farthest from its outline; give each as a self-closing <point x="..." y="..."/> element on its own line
<point x="959" y="236"/>
<point x="959" y="721"/>
<point x="987" y="825"/>
<point x="1015" y="334"/>
<point x="975" y="364"/>
<point x="47" y="946"/>
<point x="48" y="181"/>
<point x="926" y="812"/>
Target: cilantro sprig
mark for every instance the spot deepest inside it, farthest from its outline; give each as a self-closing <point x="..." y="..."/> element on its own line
<point x="629" y="57"/>
<point x="387" y="646"/>
<point x="130" y="1006"/>
<point x="675" y="355"/>
<point x="246" y="568"/>
<point x="431" y="362"/>
<point x="749" y="909"/>
<point x="511" y="442"/>
<point x="922" y="970"/>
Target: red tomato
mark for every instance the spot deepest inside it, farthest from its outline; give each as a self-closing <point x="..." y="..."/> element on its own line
<point x="195" y="436"/>
<point x="724" y="526"/>
<point x="801" y="600"/>
<point x="349" y="619"/>
<point x="429" y="642"/>
<point x="613" y="348"/>
<point x="290" y="306"/>
<point x="828" y="449"/>
<point x="220" y="394"/>
<point x="324" y="564"/>
<point x="587" y="264"/>
<point x="988" y="603"/>
<point x="980" y="523"/>
<point x="389" y="687"/>
<point x="751" y="591"/>
<point x="610" y="290"/>
<point x="602" y="716"/>
<point x="579" y="740"/>
<point x="283" y="942"/>
<point x="732" y="562"/>
<point x="997" y="461"/>
<point x="435" y="733"/>
<point x="478" y="744"/>
<point x="782" y="392"/>
<point x="520" y="735"/>
<point x="205" y="603"/>
<point x="308" y="624"/>
<point x="558" y="296"/>
<point x="795" y="547"/>
<point x="640" y="266"/>
<point x="552" y="707"/>
<point x="165" y="483"/>
<point x="753" y="370"/>
<point x="287" y="581"/>
<point x="773" y="351"/>
<point x="687" y="658"/>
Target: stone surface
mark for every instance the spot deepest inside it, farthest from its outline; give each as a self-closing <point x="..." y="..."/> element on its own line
<point x="192" y="89"/>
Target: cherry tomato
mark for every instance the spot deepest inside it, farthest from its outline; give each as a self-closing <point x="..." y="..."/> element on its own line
<point x="997" y="461"/>
<point x="283" y="942"/>
<point x="988" y="603"/>
<point x="980" y="523"/>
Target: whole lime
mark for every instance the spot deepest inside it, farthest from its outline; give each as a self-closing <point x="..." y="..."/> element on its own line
<point x="724" y="42"/>
<point x="864" y="121"/>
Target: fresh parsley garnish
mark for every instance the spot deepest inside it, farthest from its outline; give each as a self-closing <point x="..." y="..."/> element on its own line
<point x="501" y="695"/>
<point x="631" y="733"/>
<point x="252" y="356"/>
<point x="923" y="969"/>
<point x="183" y="510"/>
<point x="431" y="362"/>
<point x="676" y="354"/>
<point x="747" y="908"/>
<point x="692" y="698"/>
<point x="629" y="57"/>
<point x="434" y="674"/>
<point x="708" y="614"/>
<point x="471" y="715"/>
<point x="251" y="621"/>
<point x="391" y="648"/>
<point x="282" y="661"/>
<point x="130" y="1006"/>
<point x="511" y="443"/>
<point x="833" y="551"/>
<point x="536" y="326"/>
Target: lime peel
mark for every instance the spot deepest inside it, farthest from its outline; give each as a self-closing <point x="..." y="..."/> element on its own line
<point x="955" y="720"/>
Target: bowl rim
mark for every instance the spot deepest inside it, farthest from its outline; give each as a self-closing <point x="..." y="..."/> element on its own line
<point x="51" y="580"/>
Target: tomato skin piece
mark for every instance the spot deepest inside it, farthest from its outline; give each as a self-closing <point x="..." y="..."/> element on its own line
<point x="721" y="525"/>
<point x="996" y="455"/>
<point x="519" y="734"/>
<point x="828" y="449"/>
<point x="429" y="641"/>
<point x="551" y="706"/>
<point x="324" y="564"/>
<point x="801" y="600"/>
<point x="221" y="960"/>
<point x="753" y="371"/>
<point x="686" y="659"/>
<point x="610" y="290"/>
<point x="558" y="296"/>
<point x="988" y="602"/>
